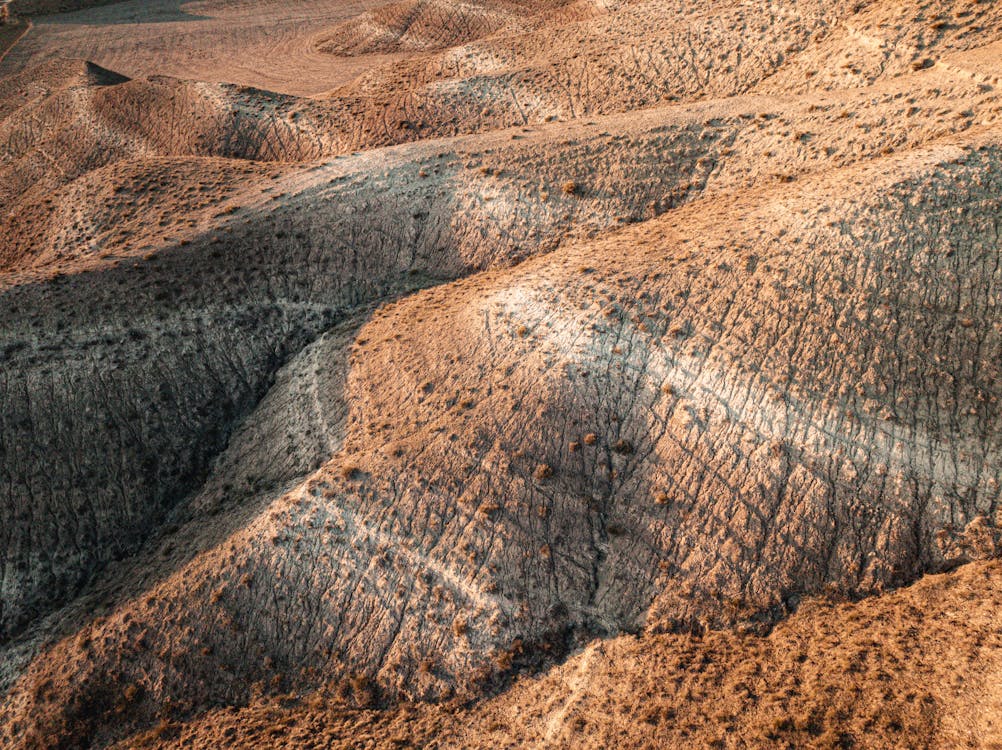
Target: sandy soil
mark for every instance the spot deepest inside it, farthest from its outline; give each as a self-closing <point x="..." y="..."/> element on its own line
<point x="901" y="670"/>
<point x="550" y="374"/>
<point x="270" y="45"/>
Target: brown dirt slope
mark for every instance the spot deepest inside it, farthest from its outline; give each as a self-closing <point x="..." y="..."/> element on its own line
<point x="267" y="44"/>
<point x="419" y="25"/>
<point x="916" y="668"/>
<point x="466" y="205"/>
<point x="565" y="518"/>
<point x="620" y="323"/>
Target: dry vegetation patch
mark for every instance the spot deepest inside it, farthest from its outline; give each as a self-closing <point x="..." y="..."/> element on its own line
<point x="539" y="373"/>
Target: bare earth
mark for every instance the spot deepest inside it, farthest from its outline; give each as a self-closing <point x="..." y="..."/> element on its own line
<point x="502" y="373"/>
<point x="269" y="44"/>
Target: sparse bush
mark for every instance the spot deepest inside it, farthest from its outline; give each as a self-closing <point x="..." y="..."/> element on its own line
<point x="489" y="508"/>
<point x="623" y="447"/>
<point x="503" y="659"/>
<point x="362" y="690"/>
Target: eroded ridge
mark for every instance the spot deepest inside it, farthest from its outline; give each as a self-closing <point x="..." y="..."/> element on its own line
<point x="544" y="341"/>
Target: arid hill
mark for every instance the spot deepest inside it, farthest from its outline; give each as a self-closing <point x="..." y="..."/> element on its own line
<point x="902" y="670"/>
<point x="501" y="374"/>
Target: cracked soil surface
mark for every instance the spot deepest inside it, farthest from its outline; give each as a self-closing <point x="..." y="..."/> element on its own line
<point x="504" y="373"/>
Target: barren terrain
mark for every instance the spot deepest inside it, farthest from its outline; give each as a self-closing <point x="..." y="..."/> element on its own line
<point x="509" y="373"/>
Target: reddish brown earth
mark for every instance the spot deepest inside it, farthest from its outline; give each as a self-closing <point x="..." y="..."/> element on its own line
<point x="501" y="374"/>
<point x="916" y="668"/>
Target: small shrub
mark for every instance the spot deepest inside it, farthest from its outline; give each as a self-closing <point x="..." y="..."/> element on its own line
<point x="489" y="508"/>
<point x="623" y="447"/>
<point x="543" y="471"/>
<point x="503" y="659"/>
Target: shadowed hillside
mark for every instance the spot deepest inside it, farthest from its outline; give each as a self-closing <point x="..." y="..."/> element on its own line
<point x="562" y="374"/>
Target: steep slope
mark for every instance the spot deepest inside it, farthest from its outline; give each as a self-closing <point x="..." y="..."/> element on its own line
<point x="401" y="392"/>
<point x="584" y="503"/>
<point x="916" y="668"/>
<point x="66" y="119"/>
<point x="469" y="204"/>
<point x="238" y="257"/>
